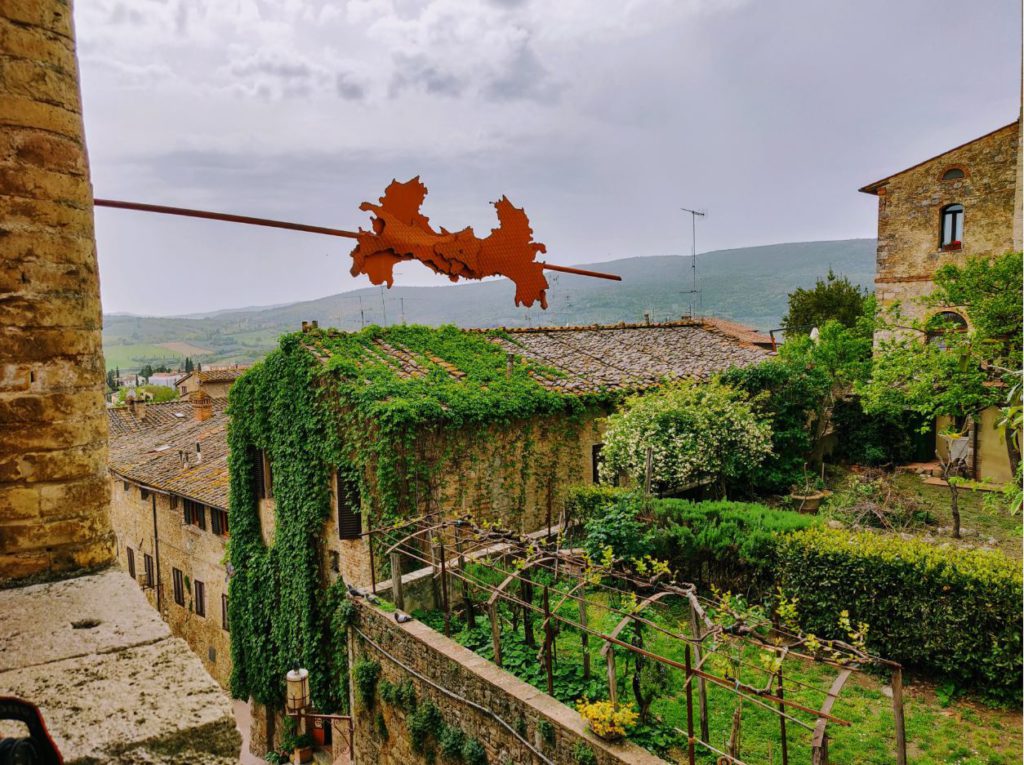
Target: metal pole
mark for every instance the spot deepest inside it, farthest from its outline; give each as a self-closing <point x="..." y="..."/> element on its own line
<point x="782" y="720"/>
<point x="585" y="638"/>
<point x="444" y="593"/>
<point x="691" y="751"/>
<point x="547" y="644"/>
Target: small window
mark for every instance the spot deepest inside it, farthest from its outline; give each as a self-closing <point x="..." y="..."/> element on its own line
<point x="224" y="613"/>
<point x="941" y="324"/>
<point x="218" y="522"/>
<point x="200" y="597"/>
<point x="131" y="562"/>
<point x="595" y="463"/>
<point x="350" y="518"/>
<point x="953" y="174"/>
<point x="174" y="501"/>
<point x="179" y="586"/>
<point x="952" y="231"/>
<point x="143" y="493"/>
<point x="126" y="485"/>
<point x="194" y="514"/>
<point x="147" y="563"/>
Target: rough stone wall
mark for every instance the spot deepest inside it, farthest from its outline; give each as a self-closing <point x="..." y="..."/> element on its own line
<point x="444" y="662"/>
<point x="483" y="476"/>
<point x="909" y="208"/>
<point x="53" y="430"/>
<point x="197" y="553"/>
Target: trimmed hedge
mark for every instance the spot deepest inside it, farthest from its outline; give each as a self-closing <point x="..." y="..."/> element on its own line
<point x="948" y="610"/>
<point x="730" y="544"/>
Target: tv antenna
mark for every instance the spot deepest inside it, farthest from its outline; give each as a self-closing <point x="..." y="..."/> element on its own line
<point x="693" y="292"/>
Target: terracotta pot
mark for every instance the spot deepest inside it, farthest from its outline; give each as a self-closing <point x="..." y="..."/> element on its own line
<point x="808" y="503"/>
<point x="305" y="754"/>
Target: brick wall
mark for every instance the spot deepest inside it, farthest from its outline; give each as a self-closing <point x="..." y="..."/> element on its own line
<point x="53" y="429"/>
<point x="444" y="662"/>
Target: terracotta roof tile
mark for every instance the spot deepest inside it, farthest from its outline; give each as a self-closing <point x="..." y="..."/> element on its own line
<point x="148" y="450"/>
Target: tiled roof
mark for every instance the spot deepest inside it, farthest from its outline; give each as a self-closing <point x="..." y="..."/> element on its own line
<point x="216" y="375"/>
<point x="588" y="359"/>
<point x="741" y="332"/>
<point x="147" y="450"/>
<point x="633" y="356"/>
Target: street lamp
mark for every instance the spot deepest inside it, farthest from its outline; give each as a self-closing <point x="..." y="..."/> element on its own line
<point x="297" y="698"/>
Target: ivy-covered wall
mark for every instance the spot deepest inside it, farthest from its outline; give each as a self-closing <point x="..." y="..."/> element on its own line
<point x="421" y="420"/>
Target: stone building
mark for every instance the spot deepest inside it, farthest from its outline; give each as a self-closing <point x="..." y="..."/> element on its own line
<point x="169" y="510"/>
<point x="214" y="382"/>
<point x="53" y="486"/>
<point x="963" y="203"/>
<point x="479" y="469"/>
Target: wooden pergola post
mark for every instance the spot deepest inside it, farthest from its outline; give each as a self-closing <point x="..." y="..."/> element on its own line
<point x="702" y="692"/>
<point x="585" y="638"/>
<point x="897" y="713"/>
<point x="492" y="611"/>
<point x="396" y="581"/>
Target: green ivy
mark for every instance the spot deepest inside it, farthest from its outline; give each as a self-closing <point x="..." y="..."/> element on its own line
<point x="366" y="672"/>
<point x="326" y="401"/>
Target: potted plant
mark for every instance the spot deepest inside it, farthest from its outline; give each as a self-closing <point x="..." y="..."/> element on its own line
<point x="294" y="743"/>
<point x="809" y="494"/>
<point x="608" y="721"/>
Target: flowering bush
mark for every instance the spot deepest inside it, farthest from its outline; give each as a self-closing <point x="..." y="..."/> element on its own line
<point x="605" y="720"/>
<point x="697" y="432"/>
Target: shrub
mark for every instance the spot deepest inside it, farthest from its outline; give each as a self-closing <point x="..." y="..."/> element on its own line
<point x="697" y="433"/>
<point x="948" y="610"/>
<point x="788" y="395"/>
<point x="605" y="719"/>
<point x="617" y="525"/>
<point x="473" y="752"/>
<point x="883" y="438"/>
<point x="729" y="544"/>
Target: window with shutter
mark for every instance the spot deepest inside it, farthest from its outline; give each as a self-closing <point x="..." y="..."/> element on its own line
<point x="200" y="597"/>
<point x="131" y="562"/>
<point x="350" y="519"/>
<point x="224" y="613"/>
<point x="178" y="580"/>
<point x="147" y="562"/>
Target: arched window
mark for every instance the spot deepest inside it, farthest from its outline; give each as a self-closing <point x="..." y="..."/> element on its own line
<point x="952" y="227"/>
<point x="943" y="323"/>
<point x="953" y="174"/>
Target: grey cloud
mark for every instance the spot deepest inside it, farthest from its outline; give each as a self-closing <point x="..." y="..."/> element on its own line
<point x="418" y="71"/>
<point x="348" y="88"/>
<point x="525" y="78"/>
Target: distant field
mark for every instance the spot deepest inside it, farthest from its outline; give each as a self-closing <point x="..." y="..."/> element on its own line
<point x="135" y="355"/>
<point x="186" y="349"/>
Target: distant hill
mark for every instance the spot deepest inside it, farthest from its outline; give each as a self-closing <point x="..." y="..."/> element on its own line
<point x="748" y="285"/>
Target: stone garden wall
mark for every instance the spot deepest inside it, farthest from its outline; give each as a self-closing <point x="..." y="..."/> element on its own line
<point x="487" y="703"/>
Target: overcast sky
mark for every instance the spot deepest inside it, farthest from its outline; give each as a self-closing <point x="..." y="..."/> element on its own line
<point x="600" y="118"/>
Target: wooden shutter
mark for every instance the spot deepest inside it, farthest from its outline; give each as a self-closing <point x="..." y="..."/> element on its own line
<point x="350" y="519"/>
<point x="258" y="480"/>
<point x="200" y="597"/>
<point x="131" y="562"/>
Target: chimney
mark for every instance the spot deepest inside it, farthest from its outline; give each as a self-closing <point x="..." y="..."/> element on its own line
<point x="199" y="454"/>
<point x="510" y="359"/>
<point x="202" y="405"/>
<point x="647" y="318"/>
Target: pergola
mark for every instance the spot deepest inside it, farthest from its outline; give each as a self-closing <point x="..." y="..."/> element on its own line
<point x="458" y="552"/>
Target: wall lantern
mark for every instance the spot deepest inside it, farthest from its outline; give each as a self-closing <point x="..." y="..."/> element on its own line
<point x="297" y="698"/>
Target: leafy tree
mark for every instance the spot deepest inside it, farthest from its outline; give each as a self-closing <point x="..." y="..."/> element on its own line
<point x="111" y="380"/>
<point x="964" y="373"/>
<point x="832" y="298"/>
<point x="188" y="364"/>
<point x="697" y="433"/>
<point x="989" y="292"/>
<point x="146" y="372"/>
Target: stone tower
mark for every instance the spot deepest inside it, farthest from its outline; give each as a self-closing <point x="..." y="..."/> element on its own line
<point x="53" y="433"/>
